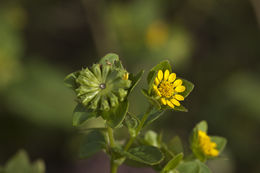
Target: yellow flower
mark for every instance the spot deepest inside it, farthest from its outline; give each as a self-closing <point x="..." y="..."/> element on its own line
<point x="206" y="145"/>
<point x="167" y="88"/>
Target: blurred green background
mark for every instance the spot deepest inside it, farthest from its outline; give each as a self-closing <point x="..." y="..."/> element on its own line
<point x="213" y="43"/>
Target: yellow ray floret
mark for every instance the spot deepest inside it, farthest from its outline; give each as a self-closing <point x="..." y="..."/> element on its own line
<point x="206" y="145"/>
<point x="168" y="88"/>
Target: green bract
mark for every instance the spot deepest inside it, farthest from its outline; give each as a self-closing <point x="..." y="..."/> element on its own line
<point x="102" y="86"/>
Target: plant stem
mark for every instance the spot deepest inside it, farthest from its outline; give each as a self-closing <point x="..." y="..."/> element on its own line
<point x="139" y="128"/>
<point x="113" y="164"/>
<point x="111" y="136"/>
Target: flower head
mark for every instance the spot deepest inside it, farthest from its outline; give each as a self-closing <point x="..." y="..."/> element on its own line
<point x="167" y="88"/>
<point x="102" y="86"/>
<point x="207" y="147"/>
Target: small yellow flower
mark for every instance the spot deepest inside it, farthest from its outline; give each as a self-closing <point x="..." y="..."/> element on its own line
<point x="167" y="88"/>
<point x="206" y="145"/>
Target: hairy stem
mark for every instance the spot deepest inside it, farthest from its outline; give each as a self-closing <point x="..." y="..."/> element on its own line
<point x="113" y="164"/>
<point x="139" y="128"/>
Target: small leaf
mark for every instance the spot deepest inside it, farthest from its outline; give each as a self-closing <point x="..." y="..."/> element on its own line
<point x="189" y="87"/>
<point x="152" y="100"/>
<point x="144" y="154"/>
<point x="20" y="163"/>
<point x="151" y="138"/>
<point x="220" y="141"/>
<point x="109" y="58"/>
<point x="164" y="65"/>
<point x="204" y="168"/>
<point x="203" y="126"/>
<point x="116" y="115"/>
<point x="70" y="80"/>
<point x="131" y="122"/>
<point x="180" y="108"/>
<point x="175" y="145"/>
<point x="154" y="115"/>
<point x="92" y="143"/>
<point x="81" y="114"/>
<point x="172" y="164"/>
<point x="193" y="167"/>
<point x="135" y="79"/>
<point x="189" y="167"/>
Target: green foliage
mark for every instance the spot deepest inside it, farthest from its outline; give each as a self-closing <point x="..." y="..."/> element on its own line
<point x="144" y="154"/>
<point x="175" y="145"/>
<point x="172" y="164"/>
<point x="131" y="122"/>
<point x="20" y="163"/>
<point x="92" y="143"/>
<point x="81" y="114"/>
<point x="193" y="167"/>
<point x="152" y="100"/>
<point x="154" y="115"/>
<point x="70" y="80"/>
<point x="115" y="116"/>
<point x="135" y="79"/>
<point x="109" y="58"/>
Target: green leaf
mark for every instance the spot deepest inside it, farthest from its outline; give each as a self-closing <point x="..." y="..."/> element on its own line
<point x="180" y="108"/>
<point x="173" y="163"/>
<point x="135" y="79"/>
<point x="109" y="58"/>
<point x="154" y="115"/>
<point x="144" y="154"/>
<point x="164" y="65"/>
<point x="175" y="145"/>
<point x="203" y="126"/>
<point x="204" y="168"/>
<point x="70" y="80"/>
<point x="220" y="141"/>
<point x="152" y="100"/>
<point x="151" y="138"/>
<point x="20" y="163"/>
<point x="81" y="114"/>
<point x="189" y="167"/>
<point x="189" y="87"/>
<point x="92" y="143"/>
<point x="193" y="167"/>
<point x="131" y="122"/>
<point x="116" y="115"/>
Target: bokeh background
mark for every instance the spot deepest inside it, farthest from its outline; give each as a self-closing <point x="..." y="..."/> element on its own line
<point x="213" y="43"/>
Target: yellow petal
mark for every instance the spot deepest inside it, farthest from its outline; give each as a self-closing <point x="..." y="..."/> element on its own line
<point x="214" y="152"/>
<point x="170" y="104"/>
<point x="180" y="89"/>
<point x="163" y="101"/>
<point x="156" y="90"/>
<point x="213" y="144"/>
<point x="172" y="77"/>
<point x="156" y="81"/>
<point x="178" y="82"/>
<point x="175" y="102"/>
<point x="179" y="97"/>
<point x="160" y="75"/>
<point x="166" y="74"/>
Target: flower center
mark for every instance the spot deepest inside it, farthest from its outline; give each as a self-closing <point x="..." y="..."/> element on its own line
<point x="102" y="86"/>
<point x="166" y="89"/>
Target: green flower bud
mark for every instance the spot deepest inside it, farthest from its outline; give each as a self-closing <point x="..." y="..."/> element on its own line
<point x="102" y="86"/>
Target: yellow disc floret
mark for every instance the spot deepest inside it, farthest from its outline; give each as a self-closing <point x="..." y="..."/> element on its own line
<point x="167" y="88"/>
<point x="206" y="145"/>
